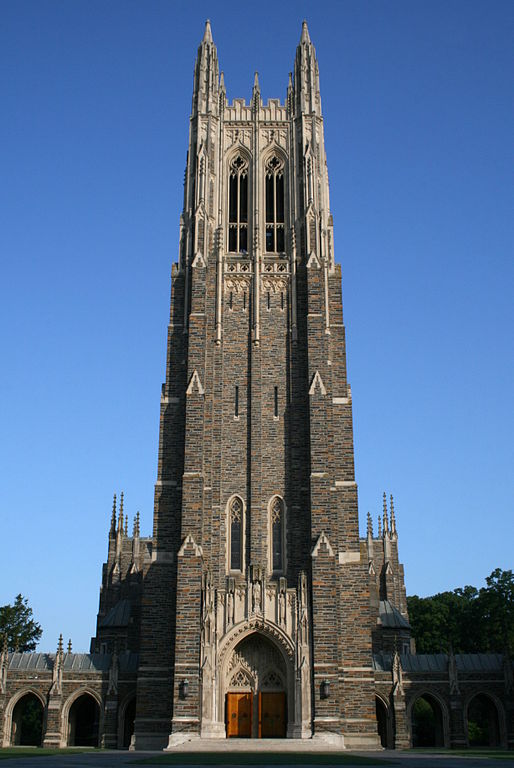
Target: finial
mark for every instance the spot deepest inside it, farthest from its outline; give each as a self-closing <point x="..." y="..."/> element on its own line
<point x="59" y="644"/>
<point x="113" y="516"/>
<point x="256" y="81"/>
<point x="370" y="526"/>
<point x="379" y="526"/>
<point x="68" y="650"/>
<point x="393" y="519"/>
<point x="207" y="35"/>
<point x="222" y="82"/>
<point x="305" y="33"/>
<point x="386" y="521"/>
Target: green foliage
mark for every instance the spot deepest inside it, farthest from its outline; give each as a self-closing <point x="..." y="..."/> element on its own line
<point x="468" y="620"/>
<point x="18" y="626"/>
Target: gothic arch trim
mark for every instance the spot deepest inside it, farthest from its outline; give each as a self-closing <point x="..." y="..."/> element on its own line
<point x="500" y="712"/>
<point x="66" y="707"/>
<point x="9" y="710"/>
<point x="122" y="710"/>
<point x="282" y="570"/>
<point x="228" y="534"/>
<point x="443" y="704"/>
<point x="256" y="626"/>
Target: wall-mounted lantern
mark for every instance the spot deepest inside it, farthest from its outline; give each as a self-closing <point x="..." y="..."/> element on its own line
<point x="324" y="689"/>
<point x="183" y="689"/>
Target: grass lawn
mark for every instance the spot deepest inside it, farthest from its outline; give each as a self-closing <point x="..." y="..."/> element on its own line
<point x="10" y="752"/>
<point x="260" y="758"/>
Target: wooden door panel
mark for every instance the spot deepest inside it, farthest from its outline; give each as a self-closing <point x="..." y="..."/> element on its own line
<point x="272" y="715"/>
<point x="239" y="715"/>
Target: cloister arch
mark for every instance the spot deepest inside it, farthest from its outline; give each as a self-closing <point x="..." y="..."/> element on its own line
<point x="485" y="721"/>
<point x="81" y="719"/>
<point x="429" y="720"/>
<point x="384" y="722"/>
<point x="24" y="718"/>
<point x="126" y="718"/>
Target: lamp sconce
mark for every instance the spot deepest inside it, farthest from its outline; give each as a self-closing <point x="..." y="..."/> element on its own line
<point x="183" y="689"/>
<point x="324" y="689"/>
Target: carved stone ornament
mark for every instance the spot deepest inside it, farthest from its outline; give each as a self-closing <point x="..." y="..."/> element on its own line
<point x="274" y="284"/>
<point x="237" y="283"/>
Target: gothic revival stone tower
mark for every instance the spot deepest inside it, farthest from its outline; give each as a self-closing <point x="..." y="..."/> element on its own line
<point x="255" y="616"/>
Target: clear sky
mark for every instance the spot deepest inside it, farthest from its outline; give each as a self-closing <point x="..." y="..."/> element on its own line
<point x="419" y="123"/>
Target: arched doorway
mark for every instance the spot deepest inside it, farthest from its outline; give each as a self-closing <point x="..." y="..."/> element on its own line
<point x="27" y="722"/>
<point x="482" y="719"/>
<point x="83" y="721"/>
<point x="382" y="723"/>
<point x="427" y="722"/>
<point x="129" y="717"/>
<point x="256" y="685"/>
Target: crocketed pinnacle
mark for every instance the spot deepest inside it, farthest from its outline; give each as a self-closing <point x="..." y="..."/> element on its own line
<point x="68" y="650"/>
<point x="370" y="526"/>
<point x="113" y="516"/>
<point x="59" y="644"/>
<point x="386" y="520"/>
<point x="393" y="519"/>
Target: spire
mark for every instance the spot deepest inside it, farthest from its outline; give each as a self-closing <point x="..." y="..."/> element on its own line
<point x="206" y="77"/>
<point x="306" y="76"/>
<point x="305" y="38"/>
<point x="386" y="520"/>
<point x="135" y="530"/>
<point x="59" y="645"/>
<point x="207" y="35"/>
<point x="370" y="527"/>
<point x="113" y="517"/>
<point x="68" y="650"/>
<point x="393" y="519"/>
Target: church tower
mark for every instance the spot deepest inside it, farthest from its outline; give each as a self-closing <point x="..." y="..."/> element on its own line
<point x="255" y="615"/>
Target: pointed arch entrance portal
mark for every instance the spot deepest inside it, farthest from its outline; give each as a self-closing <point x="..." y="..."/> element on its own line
<point x="256" y="690"/>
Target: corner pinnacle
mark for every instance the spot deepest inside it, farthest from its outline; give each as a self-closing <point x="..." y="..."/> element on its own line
<point x="393" y="519"/>
<point x="370" y="526"/>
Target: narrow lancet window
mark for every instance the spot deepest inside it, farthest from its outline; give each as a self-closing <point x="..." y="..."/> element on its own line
<point x="275" y="238"/>
<point x="236" y="402"/>
<point x="275" y="402"/>
<point x="277" y="534"/>
<point x="238" y="206"/>
<point x="236" y="512"/>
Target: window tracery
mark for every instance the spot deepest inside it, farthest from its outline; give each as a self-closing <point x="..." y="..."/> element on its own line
<point x="277" y="534"/>
<point x="236" y="534"/>
<point x="275" y="237"/>
<point x="238" y="206"/>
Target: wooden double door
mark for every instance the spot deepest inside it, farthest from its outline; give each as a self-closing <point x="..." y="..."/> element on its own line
<point x="271" y="715"/>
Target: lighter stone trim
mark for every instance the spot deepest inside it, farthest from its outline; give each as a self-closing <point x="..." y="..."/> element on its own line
<point x="167" y="400"/>
<point x="322" y="539"/>
<point x="318" y="474"/>
<point x="349" y="557"/>
<point x="345" y="483"/>
<point x="340" y="400"/>
<point x="171" y="483"/>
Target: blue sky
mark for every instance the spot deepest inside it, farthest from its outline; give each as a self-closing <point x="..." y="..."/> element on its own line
<point x="419" y="120"/>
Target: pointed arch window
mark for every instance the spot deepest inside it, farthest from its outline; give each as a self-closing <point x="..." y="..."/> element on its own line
<point x="238" y="206"/>
<point x="277" y="534"/>
<point x="236" y="526"/>
<point x="275" y="237"/>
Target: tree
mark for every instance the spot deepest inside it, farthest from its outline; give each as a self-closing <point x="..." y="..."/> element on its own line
<point x="467" y="620"/>
<point x="18" y="626"/>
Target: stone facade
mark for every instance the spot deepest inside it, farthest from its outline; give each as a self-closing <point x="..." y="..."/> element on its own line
<point x="254" y="599"/>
